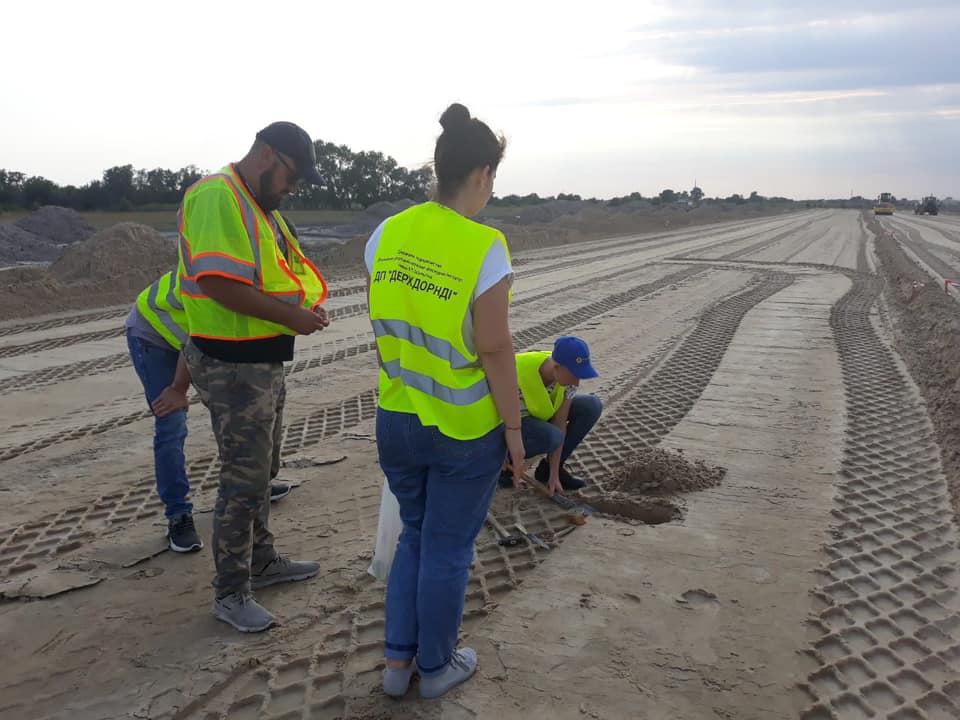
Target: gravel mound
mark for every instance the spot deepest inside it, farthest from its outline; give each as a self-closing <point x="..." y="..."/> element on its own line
<point x="59" y="225"/>
<point x="40" y="237"/>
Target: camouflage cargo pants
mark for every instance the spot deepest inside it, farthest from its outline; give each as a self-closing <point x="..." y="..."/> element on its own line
<point x="245" y="401"/>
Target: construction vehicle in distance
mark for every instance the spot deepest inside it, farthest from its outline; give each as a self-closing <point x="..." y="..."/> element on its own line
<point x="884" y="204"/>
<point x="927" y="206"/>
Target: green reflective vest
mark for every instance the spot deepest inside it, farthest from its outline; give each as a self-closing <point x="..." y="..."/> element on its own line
<point x="224" y="232"/>
<point x="537" y="401"/>
<point x="161" y="307"/>
<point x="421" y="294"/>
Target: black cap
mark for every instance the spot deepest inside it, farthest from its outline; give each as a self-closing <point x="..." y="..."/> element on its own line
<point x="293" y="141"/>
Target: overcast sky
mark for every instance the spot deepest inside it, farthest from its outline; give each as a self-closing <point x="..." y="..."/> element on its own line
<point x="802" y="99"/>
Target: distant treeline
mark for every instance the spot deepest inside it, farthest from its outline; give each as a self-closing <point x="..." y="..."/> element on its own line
<point x="355" y="180"/>
<point x="694" y="196"/>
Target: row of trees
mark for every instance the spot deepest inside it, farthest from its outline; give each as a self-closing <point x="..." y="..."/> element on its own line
<point x="355" y="180"/>
<point x="359" y="179"/>
<point x="120" y="188"/>
<point x="694" y="196"/>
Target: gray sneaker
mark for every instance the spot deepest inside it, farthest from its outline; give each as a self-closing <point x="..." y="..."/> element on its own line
<point x="243" y="612"/>
<point x="281" y="570"/>
<point x="462" y="665"/>
<point x="396" y="681"/>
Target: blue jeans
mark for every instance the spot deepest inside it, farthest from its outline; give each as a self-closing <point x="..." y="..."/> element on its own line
<point x="156" y="367"/>
<point x="444" y="487"/>
<point x="542" y="438"/>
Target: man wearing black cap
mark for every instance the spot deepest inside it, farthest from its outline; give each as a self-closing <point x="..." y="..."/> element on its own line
<point x="290" y="146"/>
<point x="247" y="290"/>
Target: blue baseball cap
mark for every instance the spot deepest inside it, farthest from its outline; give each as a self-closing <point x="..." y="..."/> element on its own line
<point x="574" y="355"/>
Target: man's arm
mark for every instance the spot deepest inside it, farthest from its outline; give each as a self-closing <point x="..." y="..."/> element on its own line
<point x="174" y="396"/>
<point x="247" y="300"/>
<point x="560" y="421"/>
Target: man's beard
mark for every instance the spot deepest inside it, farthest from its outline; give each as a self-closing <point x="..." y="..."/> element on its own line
<point x="268" y="203"/>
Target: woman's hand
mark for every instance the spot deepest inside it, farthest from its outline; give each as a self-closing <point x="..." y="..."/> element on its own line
<point x="515" y="454"/>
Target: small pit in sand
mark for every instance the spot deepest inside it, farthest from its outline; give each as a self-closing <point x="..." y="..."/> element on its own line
<point x="649" y="511"/>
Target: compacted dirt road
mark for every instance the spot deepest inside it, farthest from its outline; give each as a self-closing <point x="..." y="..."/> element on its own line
<point x="818" y="579"/>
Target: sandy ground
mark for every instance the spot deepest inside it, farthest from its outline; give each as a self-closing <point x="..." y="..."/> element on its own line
<point x="819" y="579"/>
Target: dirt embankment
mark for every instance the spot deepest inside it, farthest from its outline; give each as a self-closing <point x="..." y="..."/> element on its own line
<point x="927" y="336"/>
<point x="565" y="222"/>
<point x="114" y="265"/>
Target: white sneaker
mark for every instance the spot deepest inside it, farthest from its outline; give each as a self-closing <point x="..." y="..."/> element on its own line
<point x="462" y="666"/>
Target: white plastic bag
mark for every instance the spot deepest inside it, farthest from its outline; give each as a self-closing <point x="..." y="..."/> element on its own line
<point x="388" y="533"/>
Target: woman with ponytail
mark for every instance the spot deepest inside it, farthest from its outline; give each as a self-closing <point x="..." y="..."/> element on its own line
<point x="449" y="407"/>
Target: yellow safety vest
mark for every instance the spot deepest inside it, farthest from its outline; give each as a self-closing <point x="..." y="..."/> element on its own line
<point x="421" y="293"/>
<point x="160" y="306"/>
<point x="537" y="401"/>
<point x="223" y="231"/>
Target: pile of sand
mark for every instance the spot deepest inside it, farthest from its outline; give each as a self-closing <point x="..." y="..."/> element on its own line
<point x="643" y="488"/>
<point x="125" y="255"/>
<point x="110" y="268"/>
<point x="41" y="236"/>
<point x="656" y="471"/>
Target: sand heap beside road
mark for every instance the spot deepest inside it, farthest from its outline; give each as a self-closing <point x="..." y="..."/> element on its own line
<point x="109" y="268"/>
<point x="123" y="256"/>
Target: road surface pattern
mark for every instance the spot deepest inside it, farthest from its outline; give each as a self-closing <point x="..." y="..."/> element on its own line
<point x="819" y="580"/>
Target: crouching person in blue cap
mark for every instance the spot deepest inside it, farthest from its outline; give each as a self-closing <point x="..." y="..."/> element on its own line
<point x="555" y="417"/>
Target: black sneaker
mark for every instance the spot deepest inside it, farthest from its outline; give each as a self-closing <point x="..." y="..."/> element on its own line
<point x="567" y="481"/>
<point x="182" y="534"/>
<point x="279" y="490"/>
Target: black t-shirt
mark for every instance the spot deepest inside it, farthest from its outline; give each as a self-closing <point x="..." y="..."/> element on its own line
<point x="275" y="349"/>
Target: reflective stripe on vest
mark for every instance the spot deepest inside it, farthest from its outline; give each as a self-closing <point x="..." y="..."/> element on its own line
<point x="437" y="347"/>
<point x="288" y="277"/>
<point x="160" y="306"/>
<point x="164" y="316"/>
<point x="422" y="282"/>
<point x="218" y="263"/>
<point x="426" y="384"/>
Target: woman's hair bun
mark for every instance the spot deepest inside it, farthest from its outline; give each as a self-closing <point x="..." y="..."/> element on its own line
<point x="455" y="116"/>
